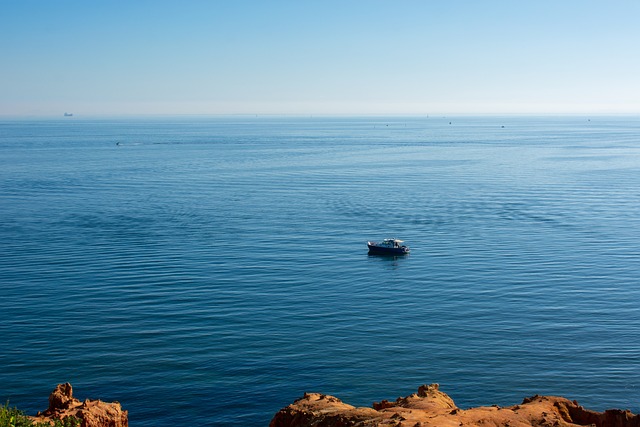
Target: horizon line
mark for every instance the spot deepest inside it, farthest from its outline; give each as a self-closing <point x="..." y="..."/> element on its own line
<point x="69" y="115"/>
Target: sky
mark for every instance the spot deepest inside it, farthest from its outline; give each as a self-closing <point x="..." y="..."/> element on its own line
<point x="335" y="57"/>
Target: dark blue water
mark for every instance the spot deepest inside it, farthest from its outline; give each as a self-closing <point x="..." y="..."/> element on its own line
<point x="211" y="270"/>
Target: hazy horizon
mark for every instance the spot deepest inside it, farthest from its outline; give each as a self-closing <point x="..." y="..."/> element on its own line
<point x="319" y="58"/>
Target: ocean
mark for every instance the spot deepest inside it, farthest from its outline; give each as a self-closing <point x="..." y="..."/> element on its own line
<point x="210" y="270"/>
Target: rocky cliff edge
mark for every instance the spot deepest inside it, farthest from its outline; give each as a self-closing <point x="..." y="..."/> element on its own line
<point x="430" y="407"/>
<point x="91" y="413"/>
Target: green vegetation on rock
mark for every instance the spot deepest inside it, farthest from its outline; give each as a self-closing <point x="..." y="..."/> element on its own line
<point x="13" y="417"/>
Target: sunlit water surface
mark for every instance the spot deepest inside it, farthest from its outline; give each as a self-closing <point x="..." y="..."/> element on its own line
<point x="210" y="271"/>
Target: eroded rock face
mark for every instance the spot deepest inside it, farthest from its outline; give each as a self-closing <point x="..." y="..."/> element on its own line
<point x="432" y="408"/>
<point x="61" y="398"/>
<point x="91" y="413"/>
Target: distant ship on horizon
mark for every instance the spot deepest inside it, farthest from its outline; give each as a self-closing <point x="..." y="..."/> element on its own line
<point x="68" y="114"/>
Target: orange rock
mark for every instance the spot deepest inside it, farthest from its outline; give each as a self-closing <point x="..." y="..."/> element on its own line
<point x="432" y="408"/>
<point x="91" y="413"/>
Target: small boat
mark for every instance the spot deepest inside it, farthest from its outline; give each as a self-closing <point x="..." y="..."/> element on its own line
<point x="388" y="247"/>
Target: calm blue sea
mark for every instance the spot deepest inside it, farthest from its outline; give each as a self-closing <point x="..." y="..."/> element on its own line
<point x="210" y="270"/>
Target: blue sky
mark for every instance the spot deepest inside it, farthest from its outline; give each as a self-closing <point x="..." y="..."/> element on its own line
<point x="104" y="57"/>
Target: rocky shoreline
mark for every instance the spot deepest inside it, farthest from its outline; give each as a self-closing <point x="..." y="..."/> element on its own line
<point x="430" y="407"/>
<point x="90" y="413"/>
